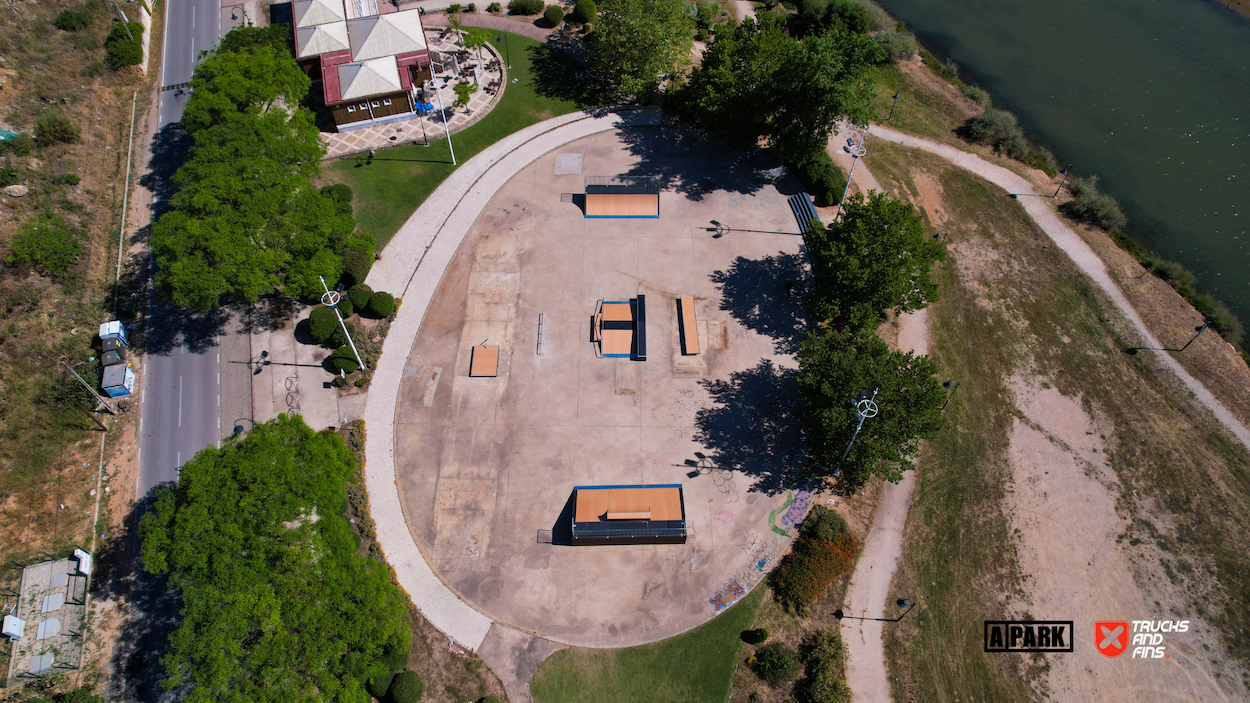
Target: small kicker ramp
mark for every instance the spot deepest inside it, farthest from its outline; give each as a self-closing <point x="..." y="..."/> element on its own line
<point x="622" y="197"/>
<point x="803" y="209"/>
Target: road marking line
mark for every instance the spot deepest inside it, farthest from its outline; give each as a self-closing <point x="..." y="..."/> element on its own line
<point x="219" y="378"/>
<point x="219" y="357"/>
<point x="180" y="401"/>
<point x="139" y="461"/>
<point x="219" y="400"/>
<point x="219" y="422"/>
<point x="141" y="425"/>
<point x="193" y="17"/>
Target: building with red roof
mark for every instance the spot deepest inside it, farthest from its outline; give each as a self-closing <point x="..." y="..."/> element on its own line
<point x="369" y="57"/>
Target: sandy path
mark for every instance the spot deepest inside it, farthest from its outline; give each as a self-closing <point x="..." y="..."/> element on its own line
<point x="862" y="180"/>
<point x="868" y="593"/>
<point x="744" y="9"/>
<point x="1076" y="249"/>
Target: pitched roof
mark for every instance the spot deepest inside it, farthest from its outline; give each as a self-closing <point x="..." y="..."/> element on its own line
<point x="386" y="35"/>
<point x="321" y="39"/>
<point x="309" y="13"/>
<point x="359" y="80"/>
<point x="361" y="8"/>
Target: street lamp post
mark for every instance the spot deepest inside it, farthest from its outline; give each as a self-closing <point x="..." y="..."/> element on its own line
<point x="443" y="111"/>
<point x="1066" y="172"/>
<point x="331" y="299"/>
<point x="952" y="386"/>
<point x="507" y="48"/>
<point x="1197" y="333"/>
<point x="892" y="107"/>
<point x="856" y="152"/>
<point x="865" y="408"/>
<point x="900" y="602"/>
<point x="86" y="385"/>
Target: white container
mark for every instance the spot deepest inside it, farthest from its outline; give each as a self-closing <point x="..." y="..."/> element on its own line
<point x="118" y="381"/>
<point x="114" y="330"/>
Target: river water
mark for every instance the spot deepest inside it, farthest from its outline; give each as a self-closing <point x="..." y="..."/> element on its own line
<point x="1153" y="96"/>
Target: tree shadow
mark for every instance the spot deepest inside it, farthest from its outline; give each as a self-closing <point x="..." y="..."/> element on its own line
<point x="153" y="616"/>
<point x="766" y="296"/>
<point x="269" y="314"/>
<point x="754" y="426"/>
<point x="169" y="326"/>
<point x="168" y="152"/>
<point x="687" y="161"/>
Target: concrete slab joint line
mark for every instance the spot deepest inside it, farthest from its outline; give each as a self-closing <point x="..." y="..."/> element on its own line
<point x="1080" y="253"/>
<point x="412" y="266"/>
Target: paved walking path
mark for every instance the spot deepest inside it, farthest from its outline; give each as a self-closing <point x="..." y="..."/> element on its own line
<point x="1076" y="249"/>
<point x="524" y="27"/>
<point x="412" y="266"/>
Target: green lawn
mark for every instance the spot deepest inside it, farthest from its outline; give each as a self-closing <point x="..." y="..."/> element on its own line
<point x="390" y="188"/>
<point x="694" y="667"/>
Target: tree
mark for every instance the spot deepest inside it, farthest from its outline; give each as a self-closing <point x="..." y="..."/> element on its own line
<point x="407" y="687"/>
<point x="322" y="323"/>
<point x="476" y="38"/>
<point x="277" y="605"/>
<point x="247" y="219"/>
<point x="584" y="11"/>
<point x="833" y="368"/>
<point x="637" y="42"/>
<point x="875" y="258"/>
<point x="756" y="81"/>
<point x="553" y="15"/>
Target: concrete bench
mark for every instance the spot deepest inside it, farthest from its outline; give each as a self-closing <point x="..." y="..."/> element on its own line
<point x="688" y="323"/>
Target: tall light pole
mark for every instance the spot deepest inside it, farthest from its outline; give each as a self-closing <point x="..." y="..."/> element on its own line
<point x="952" y="386"/>
<point x="865" y="408"/>
<point x="1066" y="172"/>
<point x="507" y="48"/>
<point x="442" y="111"/>
<point x="331" y="299"/>
<point x="856" y="152"/>
<point x="892" y="107"/>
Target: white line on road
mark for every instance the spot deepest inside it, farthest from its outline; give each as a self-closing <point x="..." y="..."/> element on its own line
<point x="193" y="51"/>
<point x="219" y="357"/>
<point x="139" y="461"/>
<point x="140" y="425"/>
<point x="219" y="400"/>
<point x="219" y="378"/>
<point x="180" y="401"/>
<point x="219" y="422"/>
<point x="193" y="17"/>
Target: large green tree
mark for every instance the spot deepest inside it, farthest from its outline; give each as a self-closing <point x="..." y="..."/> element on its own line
<point x="636" y="42"/>
<point x="247" y="219"/>
<point x="874" y="259"/>
<point x="834" y="367"/>
<point x="757" y="81"/>
<point x="277" y="605"/>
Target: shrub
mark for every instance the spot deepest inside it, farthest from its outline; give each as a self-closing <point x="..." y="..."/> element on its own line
<point x="341" y="194"/>
<point x="525" y="7"/>
<point x="755" y="697"/>
<point x="55" y="128"/>
<point x="338" y="338"/>
<point x="810" y="567"/>
<point x="8" y="177"/>
<point x="1092" y="207"/>
<point x="379" y="684"/>
<point x="822" y="525"/>
<point x="322" y="324"/>
<point x="824" y="660"/>
<point x="66" y="179"/>
<point x="19" y="145"/>
<point x="356" y="265"/>
<point x="46" y="242"/>
<point x="407" y="687"/>
<point x="488" y="699"/>
<point x="72" y="21"/>
<point x="701" y="34"/>
<point x="1042" y="160"/>
<point x="554" y="15"/>
<point x="344" y="359"/>
<point x="360" y="294"/>
<point x="463" y="91"/>
<point x="998" y="129"/>
<point x="472" y="7"/>
<point x="93" y="69"/>
<point x="899" y="45"/>
<point x="453" y="8"/>
<point x="977" y="95"/>
<point x="123" y="51"/>
<point x="775" y="664"/>
<point x="381" y="304"/>
<point x="494" y="7"/>
<point x="821" y="177"/>
<point x="585" y="11"/>
<point x="346" y="309"/>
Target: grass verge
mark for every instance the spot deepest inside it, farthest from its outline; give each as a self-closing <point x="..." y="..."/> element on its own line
<point x="391" y="185"/>
<point x="692" y="667"/>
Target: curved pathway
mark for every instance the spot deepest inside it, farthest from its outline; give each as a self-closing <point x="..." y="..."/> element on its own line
<point x="496" y="22"/>
<point x="1077" y="250"/>
<point x="412" y="266"/>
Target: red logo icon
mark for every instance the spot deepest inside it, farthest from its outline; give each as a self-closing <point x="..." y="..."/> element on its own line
<point x="1111" y="637"/>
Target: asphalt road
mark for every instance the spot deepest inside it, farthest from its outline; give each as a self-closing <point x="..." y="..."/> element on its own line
<point x="181" y="389"/>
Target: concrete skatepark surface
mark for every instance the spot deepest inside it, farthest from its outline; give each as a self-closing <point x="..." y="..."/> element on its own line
<point x="485" y="466"/>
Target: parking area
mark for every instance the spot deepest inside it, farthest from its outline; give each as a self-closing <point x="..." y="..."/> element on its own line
<point x="486" y="466"/>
